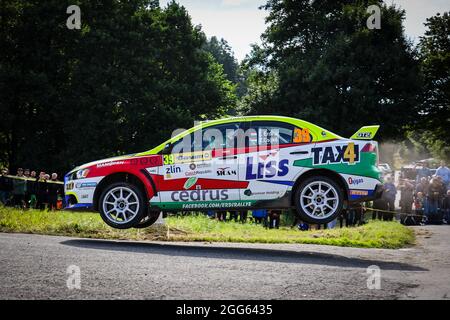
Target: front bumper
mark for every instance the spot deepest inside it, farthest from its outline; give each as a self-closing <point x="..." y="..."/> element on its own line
<point x="79" y="193"/>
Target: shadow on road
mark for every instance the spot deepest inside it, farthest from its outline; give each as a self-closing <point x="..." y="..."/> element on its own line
<point x="272" y="255"/>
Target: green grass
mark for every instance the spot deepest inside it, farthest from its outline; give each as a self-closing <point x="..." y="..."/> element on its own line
<point x="375" y="234"/>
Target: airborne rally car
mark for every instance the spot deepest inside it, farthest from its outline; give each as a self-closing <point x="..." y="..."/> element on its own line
<point x="253" y="162"/>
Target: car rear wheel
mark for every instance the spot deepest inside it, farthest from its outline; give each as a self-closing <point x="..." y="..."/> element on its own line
<point x="122" y="205"/>
<point x="319" y="200"/>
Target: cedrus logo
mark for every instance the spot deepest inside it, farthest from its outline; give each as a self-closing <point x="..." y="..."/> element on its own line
<point x="199" y="195"/>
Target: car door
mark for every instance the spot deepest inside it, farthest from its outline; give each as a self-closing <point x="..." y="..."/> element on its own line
<point x="267" y="164"/>
<point x="201" y="170"/>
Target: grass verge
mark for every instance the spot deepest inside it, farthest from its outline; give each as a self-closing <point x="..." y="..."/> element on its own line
<point x="375" y="234"/>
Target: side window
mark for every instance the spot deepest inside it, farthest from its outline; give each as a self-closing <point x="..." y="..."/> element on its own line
<point x="264" y="133"/>
<point x="209" y="138"/>
<point x="220" y="136"/>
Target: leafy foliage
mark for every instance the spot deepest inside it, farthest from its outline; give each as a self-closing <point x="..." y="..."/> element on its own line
<point x="431" y="126"/>
<point x="121" y="84"/>
<point x="321" y="63"/>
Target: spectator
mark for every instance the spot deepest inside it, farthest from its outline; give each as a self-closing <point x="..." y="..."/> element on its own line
<point x="406" y="196"/>
<point x="32" y="190"/>
<point x="419" y="204"/>
<point x="303" y="226"/>
<point x="54" y="189"/>
<point x="243" y="216"/>
<point x="422" y="186"/>
<point x="19" y="189"/>
<point x="234" y="216"/>
<point x="379" y="204"/>
<point x="423" y="172"/>
<point x="446" y="207"/>
<point x="5" y="187"/>
<point x="444" y="172"/>
<point x="435" y="194"/>
<point x="259" y="215"/>
<point x="274" y="219"/>
<point x="353" y="215"/>
<point x="299" y="223"/>
<point x="26" y="173"/>
<point x="222" y="215"/>
<point x="389" y="194"/>
<point x="42" y="191"/>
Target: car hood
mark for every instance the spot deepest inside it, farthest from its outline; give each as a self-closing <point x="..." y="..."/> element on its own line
<point x="94" y="163"/>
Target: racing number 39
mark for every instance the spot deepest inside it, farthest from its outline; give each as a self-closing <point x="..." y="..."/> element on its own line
<point x="169" y="159"/>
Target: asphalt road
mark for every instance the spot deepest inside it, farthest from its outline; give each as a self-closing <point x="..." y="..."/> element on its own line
<point x="35" y="267"/>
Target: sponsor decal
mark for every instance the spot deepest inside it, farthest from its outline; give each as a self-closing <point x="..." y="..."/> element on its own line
<point x="69" y="186"/>
<point x="86" y="185"/>
<point x="196" y="172"/>
<point x="355" y="181"/>
<point x="364" y="134"/>
<point x="84" y="196"/>
<point x="153" y="170"/>
<point x="359" y="192"/>
<point x="200" y="165"/>
<point x="172" y="169"/>
<point x="264" y="170"/>
<point x="268" y="136"/>
<point x="264" y="157"/>
<point x="215" y="205"/>
<point x="336" y="154"/>
<point x="190" y="182"/>
<point x="111" y="163"/>
<point x="249" y="193"/>
<point x="226" y="172"/>
<point x="187" y="157"/>
<point x="145" y="161"/>
<point x="199" y="195"/>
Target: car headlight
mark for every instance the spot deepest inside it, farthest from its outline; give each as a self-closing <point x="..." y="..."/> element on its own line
<point x="82" y="173"/>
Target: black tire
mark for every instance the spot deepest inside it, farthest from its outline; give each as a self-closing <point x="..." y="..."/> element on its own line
<point x="334" y="212"/>
<point x="147" y="221"/>
<point x="138" y="210"/>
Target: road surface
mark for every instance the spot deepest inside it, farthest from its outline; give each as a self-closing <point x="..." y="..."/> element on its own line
<point x="36" y="267"/>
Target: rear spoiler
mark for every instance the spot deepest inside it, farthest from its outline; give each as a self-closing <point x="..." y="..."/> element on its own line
<point x="365" y="133"/>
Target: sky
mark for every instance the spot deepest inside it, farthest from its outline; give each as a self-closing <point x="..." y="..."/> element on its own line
<point x="241" y="23"/>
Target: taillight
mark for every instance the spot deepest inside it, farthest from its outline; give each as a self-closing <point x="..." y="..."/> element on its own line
<point x="370" y="147"/>
<point x="373" y="148"/>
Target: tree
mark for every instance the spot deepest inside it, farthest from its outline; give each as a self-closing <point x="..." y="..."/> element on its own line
<point x="332" y="70"/>
<point x="121" y="84"/>
<point x="222" y="53"/>
<point x="431" y="127"/>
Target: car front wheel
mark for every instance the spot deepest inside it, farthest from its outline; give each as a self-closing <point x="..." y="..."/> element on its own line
<point x="319" y="200"/>
<point x="122" y="205"/>
<point x="147" y="221"/>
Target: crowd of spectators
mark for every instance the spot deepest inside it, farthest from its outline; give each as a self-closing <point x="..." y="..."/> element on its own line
<point x="26" y="189"/>
<point x="423" y="199"/>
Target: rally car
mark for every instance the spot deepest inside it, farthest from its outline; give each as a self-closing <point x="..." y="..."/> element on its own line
<point x="240" y="163"/>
